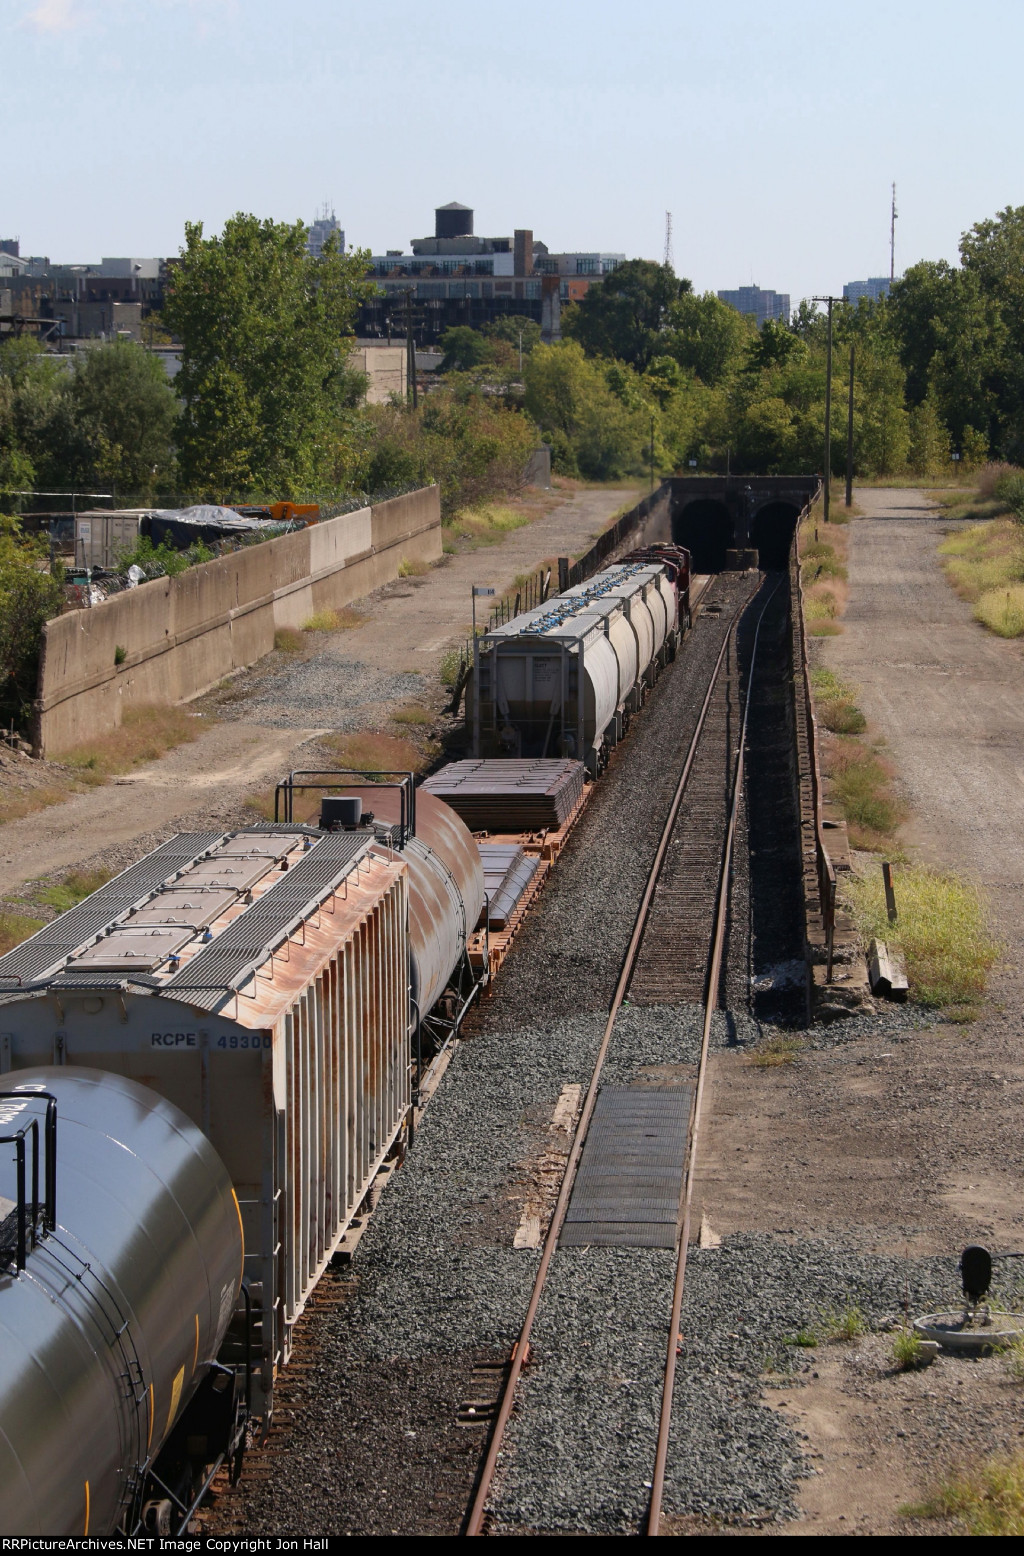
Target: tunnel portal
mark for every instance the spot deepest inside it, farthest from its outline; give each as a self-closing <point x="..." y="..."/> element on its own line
<point x="772" y="533"/>
<point x="705" y="527"/>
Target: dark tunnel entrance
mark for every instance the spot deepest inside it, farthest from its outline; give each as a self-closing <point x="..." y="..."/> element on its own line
<point x="772" y="534"/>
<point x="706" y="529"/>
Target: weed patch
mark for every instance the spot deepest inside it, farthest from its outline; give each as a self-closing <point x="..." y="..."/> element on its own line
<point x="15" y="806"/>
<point x="14" y="928"/>
<point x="907" y="1350"/>
<point x="288" y="641"/>
<point x="986" y="1500"/>
<point x="940" y="930"/>
<point x="413" y="714"/>
<point x="377" y="753"/>
<point x="76" y="886"/>
<point x="411" y="567"/>
<point x="1002" y="611"/>
<point x="777" y="1050"/>
<point x="451" y="666"/>
<point x="345" y="620"/>
<point x="147" y="733"/>
<point x="862" y="788"/>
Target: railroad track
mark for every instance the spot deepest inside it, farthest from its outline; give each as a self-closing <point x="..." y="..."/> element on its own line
<point x="674" y="955"/>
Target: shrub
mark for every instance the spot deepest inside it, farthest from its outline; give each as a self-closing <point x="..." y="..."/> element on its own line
<point x="1009" y="489"/>
<point x="411" y="567"/>
<point x="451" y="665"/>
<point x="990" y="475"/>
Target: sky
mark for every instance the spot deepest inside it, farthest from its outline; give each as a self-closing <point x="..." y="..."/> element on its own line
<point x="771" y="129"/>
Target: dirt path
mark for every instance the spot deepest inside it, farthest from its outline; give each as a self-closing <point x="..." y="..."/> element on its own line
<point x="279" y="706"/>
<point x="905" y="1143"/>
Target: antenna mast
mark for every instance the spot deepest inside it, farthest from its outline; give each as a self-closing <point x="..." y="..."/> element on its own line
<point x="892" y="237"/>
<point x="669" y="257"/>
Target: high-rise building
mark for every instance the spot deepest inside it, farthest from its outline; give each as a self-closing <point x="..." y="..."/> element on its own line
<point x="320" y="230"/>
<point x="762" y="303"/>
<point x="874" y="288"/>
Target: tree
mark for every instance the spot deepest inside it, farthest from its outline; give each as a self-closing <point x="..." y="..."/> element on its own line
<point x="464" y="348"/>
<point x="265" y="334"/>
<point x="705" y="336"/>
<point x="593" y="414"/>
<point x="512" y="328"/>
<point x="624" y="315"/>
<point x="125" y="411"/>
<point x="29" y="596"/>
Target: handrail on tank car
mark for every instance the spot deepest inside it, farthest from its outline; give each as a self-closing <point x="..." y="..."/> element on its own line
<point x="284" y="793"/>
<point x="17" y="1139"/>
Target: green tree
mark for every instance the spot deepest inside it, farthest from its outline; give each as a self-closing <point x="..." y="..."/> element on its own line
<point x="125" y="411"/>
<point x="29" y="596"/>
<point x="513" y="326"/>
<point x="594" y="415"/>
<point x="928" y="450"/>
<point x="464" y="349"/>
<point x="265" y="335"/>
<point x="705" y="336"/>
<point x="625" y="314"/>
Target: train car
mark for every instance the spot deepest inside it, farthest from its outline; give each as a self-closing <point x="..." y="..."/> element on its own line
<point x="120" y="1267"/>
<point x="260" y="981"/>
<point x="561" y="680"/>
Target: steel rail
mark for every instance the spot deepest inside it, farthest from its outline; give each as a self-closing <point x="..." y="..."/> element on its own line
<point x="520" y="1350"/>
<point x="710" y="1005"/>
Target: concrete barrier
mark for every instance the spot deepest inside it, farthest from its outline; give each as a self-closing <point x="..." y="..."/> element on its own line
<point x="174" y="638"/>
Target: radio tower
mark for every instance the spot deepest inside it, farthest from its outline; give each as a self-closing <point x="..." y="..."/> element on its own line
<point x="669" y="256"/>
<point x="892" y="237"/>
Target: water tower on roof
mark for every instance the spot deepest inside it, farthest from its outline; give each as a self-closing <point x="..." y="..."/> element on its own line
<point x="453" y="221"/>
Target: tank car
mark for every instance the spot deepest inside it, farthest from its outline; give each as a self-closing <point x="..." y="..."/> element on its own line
<point x="561" y="680"/>
<point x="120" y="1266"/>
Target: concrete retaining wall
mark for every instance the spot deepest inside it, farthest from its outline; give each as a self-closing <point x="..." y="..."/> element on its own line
<point x="177" y="637"/>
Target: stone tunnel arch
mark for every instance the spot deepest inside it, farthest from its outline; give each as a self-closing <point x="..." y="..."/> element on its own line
<point x="772" y="533"/>
<point x="705" y="527"/>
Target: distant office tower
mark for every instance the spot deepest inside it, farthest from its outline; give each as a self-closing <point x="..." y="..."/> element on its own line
<point x="762" y="303"/>
<point x="320" y="230"/>
<point x="874" y="288"/>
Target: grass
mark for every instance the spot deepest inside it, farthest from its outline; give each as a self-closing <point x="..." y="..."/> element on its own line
<point x="344" y="620"/>
<point x="831" y="1327"/>
<point x="1013" y="1355"/>
<point x="288" y="641"/>
<point x="147" y="733"/>
<point x="837" y="709"/>
<point x="862" y="788"/>
<point x="491" y="522"/>
<point x="940" y="930"/>
<point x="377" y="753"/>
<point x="413" y="714"/>
<point x="411" y="567"/>
<point x="907" y="1350"/>
<point x="14" y="807"/>
<point x="14" y="928"/>
<point x="777" y="1050"/>
<point x="985" y="1500"/>
<point x="72" y="889"/>
<point x="985" y="565"/>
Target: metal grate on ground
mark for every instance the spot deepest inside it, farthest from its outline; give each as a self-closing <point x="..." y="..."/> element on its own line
<point x="630" y="1178"/>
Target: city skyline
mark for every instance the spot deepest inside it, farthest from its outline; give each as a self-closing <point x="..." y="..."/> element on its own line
<point x="193" y="109"/>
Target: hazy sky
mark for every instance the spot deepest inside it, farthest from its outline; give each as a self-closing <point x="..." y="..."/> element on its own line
<point x="771" y="129"/>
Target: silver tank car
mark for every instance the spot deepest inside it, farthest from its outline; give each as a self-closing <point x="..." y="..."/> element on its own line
<point x="131" y="1266"/>
<point x="562" y="679"/>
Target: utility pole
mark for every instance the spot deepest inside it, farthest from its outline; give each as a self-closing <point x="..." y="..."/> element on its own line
<point x="892" y="237"/>
<point x="410" y="351"/>
<point x="669" y="256"/>
<point x="828" y="406"/>
<point x="850" y="434"/>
